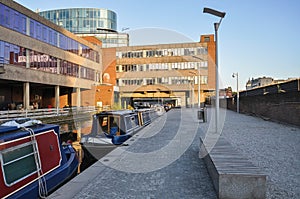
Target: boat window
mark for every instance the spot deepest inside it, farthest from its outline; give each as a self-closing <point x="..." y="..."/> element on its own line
<point x="19" y="162"/>
<point x="128" y="123"/>
<point x="131" y="122"/>
<point x="146" y="117"/>
<point x="114" y="127"/>
<point x="134" y="121"/>
<point x="104" y="123"/>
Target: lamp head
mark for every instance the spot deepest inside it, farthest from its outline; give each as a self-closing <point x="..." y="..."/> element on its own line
<point x="214" y="12"/>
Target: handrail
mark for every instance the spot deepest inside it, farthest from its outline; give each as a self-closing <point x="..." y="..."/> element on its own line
<point x="44" y="113"/>
<point x="2" y="70"/>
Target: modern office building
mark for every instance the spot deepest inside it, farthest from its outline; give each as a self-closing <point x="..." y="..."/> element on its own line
<point x="42" y="62"/>
<point x="97" y="22"/>
<point x="167" y="73"/>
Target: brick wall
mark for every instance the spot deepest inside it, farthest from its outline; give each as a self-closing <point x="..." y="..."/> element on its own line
<point x="281" y="107"/>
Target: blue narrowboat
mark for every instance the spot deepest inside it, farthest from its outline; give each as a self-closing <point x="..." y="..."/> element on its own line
<point x="33" y="160"/>
<point x="113" y="128"/>
<point x="119" y="125"/>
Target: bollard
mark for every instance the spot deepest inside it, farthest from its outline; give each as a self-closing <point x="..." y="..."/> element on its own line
<point x="202" y="114"/>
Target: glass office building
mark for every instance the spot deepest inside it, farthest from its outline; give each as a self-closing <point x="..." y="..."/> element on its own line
<point x="82" y="20"/>
<point x="41" y="62"/>
<point x="101" y="23"/>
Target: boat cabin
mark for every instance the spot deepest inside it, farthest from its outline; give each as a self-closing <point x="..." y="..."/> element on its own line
<point x="115" y="123"/>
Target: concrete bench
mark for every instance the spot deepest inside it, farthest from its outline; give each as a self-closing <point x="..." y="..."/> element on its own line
<point x="233" y="176"/>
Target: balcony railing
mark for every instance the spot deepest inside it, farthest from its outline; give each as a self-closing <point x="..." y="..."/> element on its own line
<point x="45" y="113"/>
<point x="2" y="68"/>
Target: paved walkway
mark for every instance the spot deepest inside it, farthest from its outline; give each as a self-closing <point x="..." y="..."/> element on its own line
<point x="161" y="161"/>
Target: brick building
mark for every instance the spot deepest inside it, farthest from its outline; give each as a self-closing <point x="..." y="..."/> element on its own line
<point x="166" y="73"/>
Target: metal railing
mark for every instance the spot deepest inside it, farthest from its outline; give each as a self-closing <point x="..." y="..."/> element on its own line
<point x="44" y="113"/>
<point x="2" y="70"/>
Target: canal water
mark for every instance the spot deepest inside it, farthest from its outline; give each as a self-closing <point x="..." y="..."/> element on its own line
<point x="71" y="132"/>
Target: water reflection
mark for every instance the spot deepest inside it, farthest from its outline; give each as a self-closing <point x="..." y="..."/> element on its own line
<point x="72" y="131"/>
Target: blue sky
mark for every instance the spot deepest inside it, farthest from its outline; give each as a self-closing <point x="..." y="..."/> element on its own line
<point x="256" y="38"/>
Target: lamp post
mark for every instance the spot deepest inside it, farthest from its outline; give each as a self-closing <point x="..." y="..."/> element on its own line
<point x="199" y="82"/>
<point x="216" y="26"/>
<point x="237" y="92"/>
<point x="192" y="89"/>
<point x="158" y="99"/>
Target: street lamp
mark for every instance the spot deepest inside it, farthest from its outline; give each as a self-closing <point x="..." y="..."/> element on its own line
<point x="192" y="88"/>
<point x="158" y="95"/>
<point x="237" y="92"/>
<point x="216" y="26"/>
<point x="199" y="82"/>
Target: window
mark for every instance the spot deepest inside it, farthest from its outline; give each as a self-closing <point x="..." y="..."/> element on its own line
<point x="7" y="17"/>
<point x="104" y="124"/>
<point x="114" y="125"/>
<point x="206" y="39"/>
<point x="13" y="160"/>
<point x="204" y="80"/>
<point x="204" y="64"/>
<point x="131" y="122"/>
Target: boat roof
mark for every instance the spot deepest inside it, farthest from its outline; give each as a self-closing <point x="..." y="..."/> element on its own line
<point x="119" y="112"/>
<point x="8" y="133"/>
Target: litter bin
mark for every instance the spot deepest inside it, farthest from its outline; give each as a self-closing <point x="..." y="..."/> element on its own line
<point x="202" y="114"/>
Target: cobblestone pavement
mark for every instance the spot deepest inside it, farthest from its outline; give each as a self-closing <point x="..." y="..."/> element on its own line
<point x="183" y="177"/>
<point x="273" y="147"/>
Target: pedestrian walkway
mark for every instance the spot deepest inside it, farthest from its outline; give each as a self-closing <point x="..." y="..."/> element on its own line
<point x="161" y="161"/>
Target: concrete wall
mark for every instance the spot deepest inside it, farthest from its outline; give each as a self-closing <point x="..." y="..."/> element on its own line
<point x="281" y="107"/>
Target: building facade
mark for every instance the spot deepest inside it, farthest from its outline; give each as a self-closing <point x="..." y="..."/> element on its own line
<point x="259" y="82"/>
<point x="43" y="63"/>
<point x="97" y="22"/>
<point x="167" y="73"/>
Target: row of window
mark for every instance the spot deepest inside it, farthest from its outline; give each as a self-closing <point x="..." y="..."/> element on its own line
<point x="79" y="12"/>
<point x="162" y="80"/>
<point x="82" y="20"/>
<point x="162" y="66"/>
<point x="87" y="73"/>
<point x="14" y="20"/>
<point x="13" y="54"/>
<point x="163" y="52"/>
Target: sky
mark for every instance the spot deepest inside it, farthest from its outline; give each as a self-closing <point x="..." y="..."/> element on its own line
<point x="256" y="38"/>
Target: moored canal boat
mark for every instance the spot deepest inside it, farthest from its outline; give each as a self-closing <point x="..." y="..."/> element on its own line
<point x="113" y="128"/>
<point x="33" y="160"/>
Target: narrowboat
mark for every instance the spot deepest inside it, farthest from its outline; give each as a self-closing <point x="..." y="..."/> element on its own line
<point x="113" y="128"/>
<point x="33" y="160"/>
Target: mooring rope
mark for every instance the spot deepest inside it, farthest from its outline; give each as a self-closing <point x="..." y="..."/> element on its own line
<point x="41" y="178"/>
